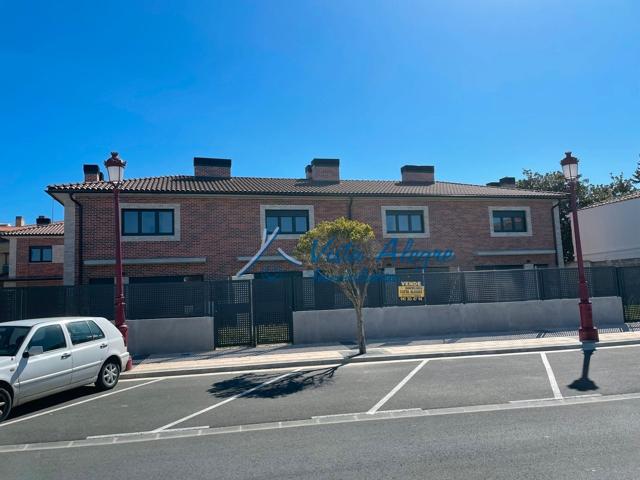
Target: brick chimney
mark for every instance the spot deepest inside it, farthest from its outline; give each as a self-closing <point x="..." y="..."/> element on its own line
<point x="509" y="182"/>
<point x="42" y="220"/>
<point x="324" y="170"/>
<point x="418" y="174"/>
<point x="91" y="173"/>
<point x="504" y="182"/>
<point x="212" y="167"/>
<point x="19" y="221"/>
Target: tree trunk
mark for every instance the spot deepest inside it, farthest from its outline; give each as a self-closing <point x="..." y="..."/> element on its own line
<point x="362" y="344"/>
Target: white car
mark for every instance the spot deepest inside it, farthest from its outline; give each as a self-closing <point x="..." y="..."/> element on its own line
<point x="43" y="356"/>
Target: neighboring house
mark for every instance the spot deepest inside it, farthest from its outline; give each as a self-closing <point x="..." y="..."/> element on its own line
<point x="35" y="254"/>
<point x="209" y="224"/>
<point x="610" y="231"/>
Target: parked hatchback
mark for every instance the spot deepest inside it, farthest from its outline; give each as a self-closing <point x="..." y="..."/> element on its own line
<point x="43" y="356"/>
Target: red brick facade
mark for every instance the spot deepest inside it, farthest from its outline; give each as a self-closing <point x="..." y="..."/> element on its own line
<point x="29" y="273"/>
<point x="221" y="228"/>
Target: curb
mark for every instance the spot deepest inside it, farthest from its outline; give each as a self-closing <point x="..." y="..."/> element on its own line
<point x="355" y="359"/>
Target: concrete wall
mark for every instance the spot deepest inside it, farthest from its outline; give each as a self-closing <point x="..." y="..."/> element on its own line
<point x="321" y="326"/>
<point x="609" y="232"/>
<point x="170" y="335"/>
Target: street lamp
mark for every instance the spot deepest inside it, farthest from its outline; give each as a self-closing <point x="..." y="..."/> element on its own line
<point x="115" y="169"/>
<point x="587" y="332"/>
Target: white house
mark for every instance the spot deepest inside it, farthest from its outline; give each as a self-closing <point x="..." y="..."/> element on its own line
<point x="610" y="231"/>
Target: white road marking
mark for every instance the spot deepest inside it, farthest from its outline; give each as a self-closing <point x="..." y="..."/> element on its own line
<point x="46" y="412"/>
<point x="383" y="415"/>
<point x="397" y="388"/>
<point x="552" y="378"/>
<point x="223" y="402"/>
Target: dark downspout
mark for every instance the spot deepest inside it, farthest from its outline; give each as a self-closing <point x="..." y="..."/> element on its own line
<point x="80" y="270"/>
<point x="349" y="210"/>
<point x="555" y="237"/>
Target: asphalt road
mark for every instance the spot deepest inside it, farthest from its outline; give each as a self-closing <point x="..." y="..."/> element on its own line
<point x="505" y="416"/>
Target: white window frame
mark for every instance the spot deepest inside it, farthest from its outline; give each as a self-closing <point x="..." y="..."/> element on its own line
<point x="416" y="208"/>
<point x="153" y="238"/>
<point x="526" y="210"/>
<point x="286" y="236"/>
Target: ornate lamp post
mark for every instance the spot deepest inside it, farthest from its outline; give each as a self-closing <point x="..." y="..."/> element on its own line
<point x="587" y="332"/>
<point x="115" y="169"/>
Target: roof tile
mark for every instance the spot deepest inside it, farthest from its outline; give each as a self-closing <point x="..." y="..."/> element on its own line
<point x="293" y="186"/>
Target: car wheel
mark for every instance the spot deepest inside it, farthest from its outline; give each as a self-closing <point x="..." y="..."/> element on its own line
<point x="109" y="375"/>
<point x="5" y="404"/>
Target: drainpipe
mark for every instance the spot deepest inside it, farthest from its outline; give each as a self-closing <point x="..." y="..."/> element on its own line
<point x="350" y="207"/>
<point x="555" y="237"/>
<point x="80" y="257"/>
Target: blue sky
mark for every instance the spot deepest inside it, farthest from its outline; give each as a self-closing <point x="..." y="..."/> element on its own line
<point x="480" y="89"/>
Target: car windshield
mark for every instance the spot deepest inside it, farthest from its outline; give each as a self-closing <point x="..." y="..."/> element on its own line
<point x="11" y="337"/>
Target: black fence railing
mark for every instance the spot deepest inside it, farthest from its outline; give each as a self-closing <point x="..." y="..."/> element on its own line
<point x="271" y="301"/>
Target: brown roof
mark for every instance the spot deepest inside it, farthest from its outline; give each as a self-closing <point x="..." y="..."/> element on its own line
<point x="293" y="186"/>
<point x="50" y="230"/>
<point x="629" y="196"/>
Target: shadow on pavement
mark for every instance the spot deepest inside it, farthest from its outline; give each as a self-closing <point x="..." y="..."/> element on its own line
<point x="584" y="383"/>
<point x="294" y="383"/>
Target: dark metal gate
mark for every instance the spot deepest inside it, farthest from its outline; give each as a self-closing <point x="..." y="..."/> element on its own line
<point x="231" y="308"/>
<point x="272" y="310"/>
<point x="629" y="285"/>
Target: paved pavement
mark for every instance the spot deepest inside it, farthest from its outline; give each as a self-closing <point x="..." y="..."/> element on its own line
<point x="273" y="356"/>
<point x="596" y="441"/>
<point x="207" y="405"/>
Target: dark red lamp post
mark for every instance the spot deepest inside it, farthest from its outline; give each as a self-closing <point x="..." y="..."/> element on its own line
<point x="587" y="332"/>
<point x="115" y="169"/>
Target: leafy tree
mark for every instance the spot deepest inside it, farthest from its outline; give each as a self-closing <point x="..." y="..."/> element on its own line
<point x="345" y="252"/>
<point x="635" y="178"/>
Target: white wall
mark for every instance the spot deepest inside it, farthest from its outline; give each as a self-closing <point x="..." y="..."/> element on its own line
<point x="325" y="326"/>
<point x="611" y="231"/>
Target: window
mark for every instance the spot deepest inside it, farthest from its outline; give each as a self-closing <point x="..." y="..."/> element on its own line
<point x="49" y="338"/>
<point x="289" y="221"/>
<point x="11" y="338"/>
<point x="148" y="222"/>
<point x="40" y="254"/>
<point x="507" y="221"/>
<point x="405" y="221"/>
<point x="79" y="332"/>
<point x="95" y="330"/>
<point x="84" y="331"/>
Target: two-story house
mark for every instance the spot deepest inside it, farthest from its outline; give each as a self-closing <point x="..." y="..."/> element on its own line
<point x="210" y="224"/>
<point x="35" y="253"/>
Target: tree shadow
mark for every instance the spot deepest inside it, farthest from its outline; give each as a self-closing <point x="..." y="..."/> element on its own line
<point x="584" y="383"/>
<point x="249" y="385"/>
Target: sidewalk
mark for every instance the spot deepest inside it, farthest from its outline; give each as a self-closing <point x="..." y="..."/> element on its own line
<point x="285" y="355"/>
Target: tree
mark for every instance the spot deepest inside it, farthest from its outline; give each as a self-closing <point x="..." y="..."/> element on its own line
<point x="345" y="252"/>
<point x="635" y="178"/>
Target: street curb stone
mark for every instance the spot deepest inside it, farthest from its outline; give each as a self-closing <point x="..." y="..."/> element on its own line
<point x="168" y="372"/>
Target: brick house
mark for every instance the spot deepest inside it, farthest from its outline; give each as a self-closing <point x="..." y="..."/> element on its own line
<point x="35" y="253"/>
<point x="209" y="224"/>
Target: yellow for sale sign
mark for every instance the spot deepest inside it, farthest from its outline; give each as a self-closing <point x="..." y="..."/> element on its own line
<point x="410" y="291"/>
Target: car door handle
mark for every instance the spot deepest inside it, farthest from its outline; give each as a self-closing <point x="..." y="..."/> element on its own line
<point x="65" y="356"/>
<point x="103" y="345"/>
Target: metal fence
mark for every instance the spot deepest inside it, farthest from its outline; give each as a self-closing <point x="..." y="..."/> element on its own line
<point x="261" y="309"/>
<point x="463" y="287"/>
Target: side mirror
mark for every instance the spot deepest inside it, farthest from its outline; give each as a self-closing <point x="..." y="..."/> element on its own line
<point x="33" y="351"/>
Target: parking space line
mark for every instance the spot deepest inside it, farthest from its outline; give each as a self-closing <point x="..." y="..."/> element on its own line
<point x="45" y="412"/>
<point x="552" y="378"/>
<point x="224" y="402"/>
<point x="397" y="388"/>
